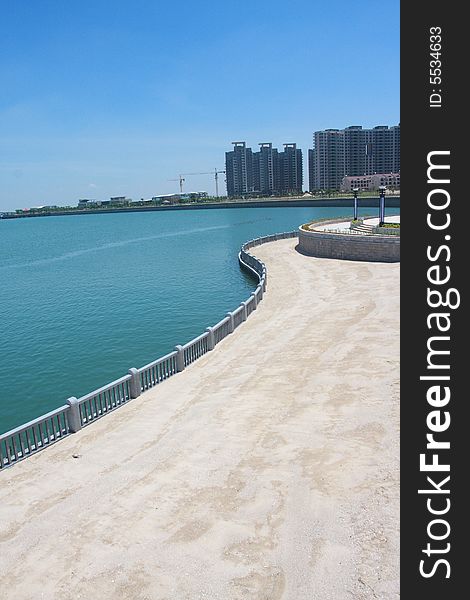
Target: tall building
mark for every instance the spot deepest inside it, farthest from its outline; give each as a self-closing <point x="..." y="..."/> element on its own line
<point x="256" y="172"/>
<point x="396" y="148"/>
<point x="265" y="172"/>
<point x="311" y="163"/>
<point x="328" y="159"/>
<point x="268" y="173"/>
<point x="291" y="171"/>
<point x="353" y="151"/>
<point x="381" y="144"/>
<point x="239" y="170"/>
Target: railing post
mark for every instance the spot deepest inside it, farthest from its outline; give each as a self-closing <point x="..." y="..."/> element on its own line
<point x="244" y="311"/>
<point x="179" y="358"/>
<point x="255" y="300"/>
<point x="135" y="388"/>
<point x="211" y="338"/>
<point x="231" y="323"/>
<point x="265" y="280"/>
<point x="260" y="291"/>
<point x="74" y="418"/>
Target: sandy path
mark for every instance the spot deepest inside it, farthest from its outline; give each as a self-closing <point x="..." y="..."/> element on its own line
<point x="267" y="470"/>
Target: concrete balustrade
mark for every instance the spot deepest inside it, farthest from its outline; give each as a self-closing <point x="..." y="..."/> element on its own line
<point x="135" y="387"/>
<point x="222" y="329"/>
<point x="96" y="404"/>
<point x="74" y="419"/>
<point x="27" y="439"/>
<point x="195" y="348"/>
<point x="238" y="316"/>
<point x="23" y="441"/>
<point x="179" y="358"/>
<point x="231" y="322"/>
<point x="158" y="370"/>
<point x="211" y="339"/>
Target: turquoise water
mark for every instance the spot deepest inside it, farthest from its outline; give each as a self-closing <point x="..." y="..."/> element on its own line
<point x="84" y="298"/>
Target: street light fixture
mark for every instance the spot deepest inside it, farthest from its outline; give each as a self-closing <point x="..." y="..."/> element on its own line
<point x="355" y="190"/>
<point x="382" y="189"/>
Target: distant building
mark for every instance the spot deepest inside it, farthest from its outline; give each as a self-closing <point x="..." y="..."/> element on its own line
<point x="166" y="198"/>
<point x="113" y="201"/>
<point x="265" y="172"/>
<point x="268" y="171"/>
<point x="177" y="198"/>
<point x="371" y="182"/>
<point x="355" y="150"/>
<point x="256" y="174"/>
<point x="352" y="152"/>
<point x="84" y="202"/>
<point x="291" y="170"/>
<point x="328" y="160"/>
<point x="311" y="156"/>
<point x="119" y="200"/>
<point x="239" y="170"/>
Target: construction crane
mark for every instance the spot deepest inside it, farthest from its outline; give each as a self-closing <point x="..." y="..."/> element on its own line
<point x="215" y="172"/>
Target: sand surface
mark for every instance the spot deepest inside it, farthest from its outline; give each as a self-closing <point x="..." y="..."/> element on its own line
<point x="268" y="469"/>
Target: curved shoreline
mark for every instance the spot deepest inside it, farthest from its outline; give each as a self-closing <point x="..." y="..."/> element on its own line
<point x="29" y="438"/>
<point x="267" y="470"/>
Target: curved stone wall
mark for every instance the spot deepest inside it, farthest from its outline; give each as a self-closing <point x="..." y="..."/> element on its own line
<point x="346" y="246"/>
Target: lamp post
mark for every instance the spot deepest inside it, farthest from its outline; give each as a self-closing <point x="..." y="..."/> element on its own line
<point x="382" y="189"/>
<point x="355" y="190"/>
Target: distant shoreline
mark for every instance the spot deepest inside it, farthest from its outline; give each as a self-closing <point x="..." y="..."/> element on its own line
<point x="365" y="202"/>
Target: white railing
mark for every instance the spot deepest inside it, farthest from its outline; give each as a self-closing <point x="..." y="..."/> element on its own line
<point x="250" y="305"/>
<point x="27" y="439"/>
<point x="238" y="316"/>
<point x="96" y="404"/>
<point x="221" y="330"/>
<point x="195" y="349"/>
<point x="158" y="370"/>
<point x="31" y="437"/>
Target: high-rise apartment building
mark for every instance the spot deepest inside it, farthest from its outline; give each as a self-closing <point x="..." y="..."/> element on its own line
<point x="265" y="172"/>
<point x="396" y="147"/>
<point x="239" y="170"/>
<point x="328" y="159"/>
<point x="291" y="171"/>
<point x="311" y="166"/>
<point x="353" y="151"/>
<point x="268" y="174"/>
<point x="382" y="143"/>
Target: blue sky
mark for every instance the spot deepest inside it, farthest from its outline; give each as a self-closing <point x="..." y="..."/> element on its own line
<point x="101" y="98"/>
